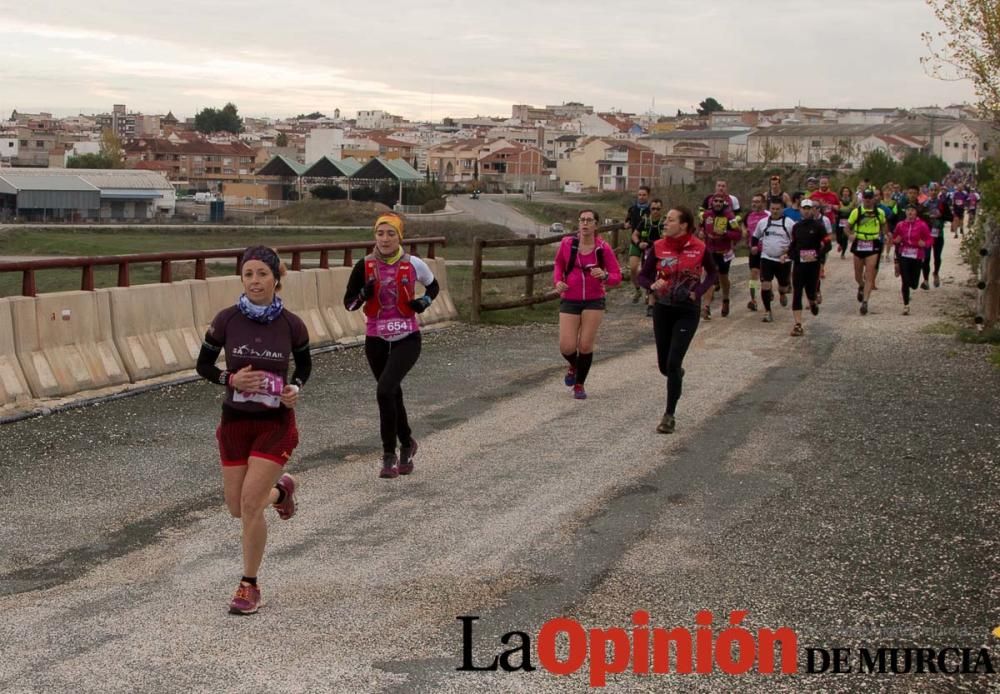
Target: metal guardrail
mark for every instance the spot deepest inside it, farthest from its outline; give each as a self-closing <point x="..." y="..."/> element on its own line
<point x="166" y="260"/>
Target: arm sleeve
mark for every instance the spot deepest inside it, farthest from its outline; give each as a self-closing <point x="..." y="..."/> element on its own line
<point x="207" y="357"/>
<point x="711" y="274"/>
<point x="300" y="352"/>
<point x="426" y="277"/>
<point x="352" y="296"/>
<point x="647" y="274"/>
<point x="303" y="364"/>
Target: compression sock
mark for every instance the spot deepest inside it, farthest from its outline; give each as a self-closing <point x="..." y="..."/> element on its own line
<point x="767" y="295"/>
<point x="583" y="367"/>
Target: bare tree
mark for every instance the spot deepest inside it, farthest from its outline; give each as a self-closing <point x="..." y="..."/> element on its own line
<point x="968" y="48"/>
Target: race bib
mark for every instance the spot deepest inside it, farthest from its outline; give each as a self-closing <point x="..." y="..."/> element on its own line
<point x="271" y="397"/>
<point x="842" y="223"/>
<point x="807" y="255"/>
<point x="935" y="232"/>
<point x="910" y="252"/>
<point x="728" y="257"/>
<point x="395" y="327"/>
<point x="866" y="245"/>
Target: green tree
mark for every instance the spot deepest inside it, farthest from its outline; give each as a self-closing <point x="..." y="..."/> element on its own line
<point x="212" y="120"/>
<point x="312" y="116"/>
<point x="709" y="105"/>
<point x="281" y="140"/>
<point x="88" y="161"/>
<point x="111" y="149"/>
<point x="968" y="48"/>
<point x="879" y="168"/>
<point x="919" y="168"/>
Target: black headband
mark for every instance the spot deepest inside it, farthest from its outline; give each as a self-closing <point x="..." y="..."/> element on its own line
<point x="264" y="255"/>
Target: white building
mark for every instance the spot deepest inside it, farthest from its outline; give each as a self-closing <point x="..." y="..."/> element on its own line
<point x="324" y="142"/>
<point x="376" y="120"/>
<point x="8" y="149"/>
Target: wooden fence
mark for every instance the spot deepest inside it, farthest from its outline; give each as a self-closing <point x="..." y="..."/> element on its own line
<point x="528" y="272"/>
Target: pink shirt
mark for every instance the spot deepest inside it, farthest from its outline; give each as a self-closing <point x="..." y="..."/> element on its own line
<point x="907" y="236"/>
<point x="582" y="286"/>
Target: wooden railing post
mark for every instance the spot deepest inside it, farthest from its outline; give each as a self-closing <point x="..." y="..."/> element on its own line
<point x="28" y="283"/>
<point x="166" y="275"/>
<point x="477" y="279"/>
<point x="199" y="269"/>
<point x="123" y="277"/>
<point x="324" y="260"/>
<point x="529" y="279"/>
<point x="87" y="281"/>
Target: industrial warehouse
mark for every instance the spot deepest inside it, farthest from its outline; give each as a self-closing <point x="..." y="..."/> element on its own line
<point x="81" y="195"/>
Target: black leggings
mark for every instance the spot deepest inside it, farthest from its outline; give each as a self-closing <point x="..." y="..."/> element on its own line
<point x="673" y="329"/>
<point x="390" y="362"/>
<point x="804" y="276"/>
<point x="909" y="273"/>
<point x="938" y="249"/>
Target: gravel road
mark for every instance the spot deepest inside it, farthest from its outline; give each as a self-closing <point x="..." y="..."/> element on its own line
<point x="843" y="484"/>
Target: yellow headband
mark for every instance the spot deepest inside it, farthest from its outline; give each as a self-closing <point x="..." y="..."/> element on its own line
<point x="393" y="220"/>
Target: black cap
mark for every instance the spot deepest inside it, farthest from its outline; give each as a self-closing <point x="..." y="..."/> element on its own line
<point x="868" y="194"/>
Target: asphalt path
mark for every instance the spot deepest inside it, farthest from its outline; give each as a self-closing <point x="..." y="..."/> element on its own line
<point x="843" y="484"/>
<point x="492" y="208"/>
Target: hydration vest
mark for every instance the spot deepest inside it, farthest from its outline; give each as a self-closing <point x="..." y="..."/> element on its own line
<point x="406" y="279"/>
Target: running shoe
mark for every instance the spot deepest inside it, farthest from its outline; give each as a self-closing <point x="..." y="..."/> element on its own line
<point x="570" y="378"/>
<point x="706" y="313"/>
<point x="752" y="305"/>
<point x="390" y="466"/>
<point x="768" y="317"/>
<point x="864" y="308"/>
<point x="649" y="312"/>
<point x="814" y="307"/>
<point x="286" y="508"/>
<point x="406" y="456"/>
<point x="725" y="307"/>
<point x="906" y="310"/>
<point x="636" y="295"/>
<point x="797" y="331"/>
<point x="579" y="393"/>
<point x="937" y="281"/>
<point x="783" y="299"/>
<point x="861" y="293"/>
<point x="924" y="285"/>
<point x="666" y="425"/>
<point x="246" y="600"/>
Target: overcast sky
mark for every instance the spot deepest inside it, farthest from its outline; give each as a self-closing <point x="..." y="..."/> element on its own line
<point x="426" y="59"/>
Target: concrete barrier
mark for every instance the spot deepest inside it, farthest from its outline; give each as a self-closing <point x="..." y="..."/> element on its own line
<point x="64" y="342"/>
<point x="210" y="296"/>
<point x="328" y="301"/>
<point x="154" y="329"/>
<point x="443" y="308"/>
<point x="13" y="386"/>
<point x="332" y="284"/>
<point x="300" y="294"/>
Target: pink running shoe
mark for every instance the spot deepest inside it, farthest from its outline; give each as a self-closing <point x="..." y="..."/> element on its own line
<point x="286" y="509"/>
<point x="406" y="456"/>
<point x="247" y="599"/>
